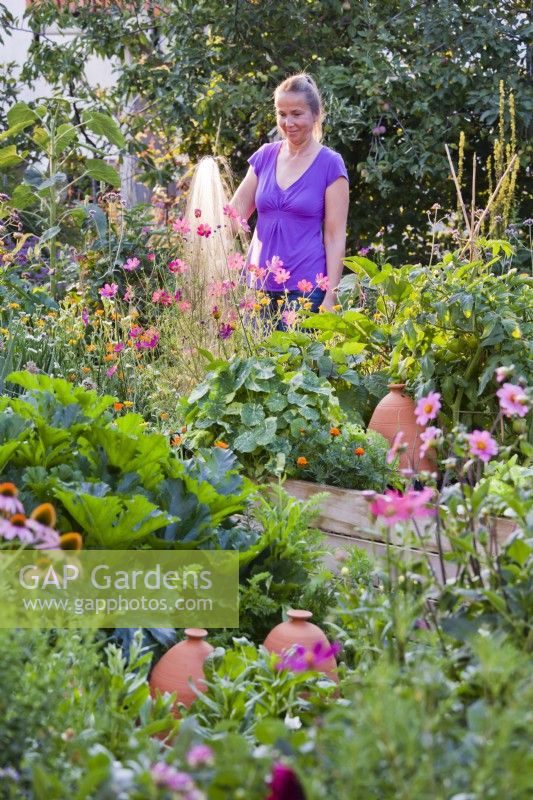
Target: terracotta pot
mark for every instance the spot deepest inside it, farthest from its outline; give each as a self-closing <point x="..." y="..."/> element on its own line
<point x="183" y="661"/>
<point x="394" y="413"/>
<point x="298" y="630"/>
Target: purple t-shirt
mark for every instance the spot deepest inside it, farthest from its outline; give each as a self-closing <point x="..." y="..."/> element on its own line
<point x="289" y="221"/>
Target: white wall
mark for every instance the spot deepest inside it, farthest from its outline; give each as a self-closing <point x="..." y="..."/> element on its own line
<point x="15" y="48"/>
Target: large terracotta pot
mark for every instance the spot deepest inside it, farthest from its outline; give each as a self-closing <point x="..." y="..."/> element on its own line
<point x="298" y="630"/>
<point x="182" y="662"/>
<point x="395" y="413"/>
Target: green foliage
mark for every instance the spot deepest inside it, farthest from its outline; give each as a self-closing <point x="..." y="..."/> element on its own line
<point x="109" y="478"/>
<point x="257" y="408"/>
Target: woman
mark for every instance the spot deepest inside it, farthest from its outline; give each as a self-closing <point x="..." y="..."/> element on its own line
<point x="300" y="190"/>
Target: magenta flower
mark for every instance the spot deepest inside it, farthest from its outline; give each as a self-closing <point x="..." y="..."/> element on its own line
<point x="244" y="225"/>
<point x="429" y="437"/>
<point x="200" y="755"/>
<point x="482" y="445"/>
<point x="281" y="275"/>
<point x="162" y="297"/>
<point x="167" y="777"/>
<point x="379" y="130"/>
<point x="363" y="251"/>
<point x="108" y="290"/>
<point x="111" y="371"/>
<point x="135" y="331"/>
<point x="131" y="264"/>
<point x="177" y="295"/>
<point x="147" y="340"/>
<point x="128" y="294"/>
<point x="225" y="330"/>
<point x="197" y="213"/>
<point x="151" y="256"/>
<point x="289" y="317"/>
<point x="396" y="447"/>
<point x="302" y="659"/>
<point x="394" y="507"/>
<point x="284" y="784"/>
<point x="427" y="408"/>
<point x="305" y="286"/>
<point x="177" y="266"/>
<point x="230" y="212"/>
<point x="85" y="317"/>
<point x="322" y="281"/>
<point x="204" y="230"/>
<point x="181" y="226"/>
<point x="119" y="347"/>
<point x="513" y="400"/>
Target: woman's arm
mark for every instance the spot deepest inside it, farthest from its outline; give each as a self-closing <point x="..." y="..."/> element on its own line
<point x="243" y="201"/>
<point x="336" y="215"/>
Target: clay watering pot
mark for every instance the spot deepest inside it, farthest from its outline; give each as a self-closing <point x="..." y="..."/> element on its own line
<point x="394" y="413"/>
<point x="298" y="630"/>
<point x="182" y="662"/>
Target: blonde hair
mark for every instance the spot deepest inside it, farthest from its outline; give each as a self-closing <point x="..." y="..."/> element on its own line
<point x="304" y="84"/>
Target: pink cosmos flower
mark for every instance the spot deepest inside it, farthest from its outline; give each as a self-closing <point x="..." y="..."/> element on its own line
<point x="111" y="371"/>
<point x="482" y="445"/>
<point x="184" y="306"/>
<point x="301" y="659"/>
<point x="394" y="507"/>
<point x="274" y="264"/>
<point x="151" y="256"/>
<point x="429" y="438"/>
<point x="128" y="294"/>
<point x="289" y="317"/>
<point x="244" y="225"/>
<point x="108" y="290"/>
<point x="427" y="408"/>
<point x="235" y="261"/>
<point x="502" y="373"/>
<point x="204" y="230"/>
<point x="119" y="347"/>
<point x="284" y="784"/>
<point x="162" y="297"/>
<point x="177" y="266"/>
<point x="322" y="281"/>
<point x="257" y="272"/>
<point x="281" y="275"/>
<point x="181" y="226"/>
<point x="131" y="264"/>
<point x="397" y="446"/>
<point x="513" y="400"/>
<point x="147" y="340"/>
<point x="135" y="331"/>
<point x="305" y="286"/>
<point x="230" y="212"/>
<point x="200" y="755"/>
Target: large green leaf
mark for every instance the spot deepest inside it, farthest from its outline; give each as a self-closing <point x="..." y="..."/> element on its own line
<point x="105" y="126"/>
<point x="9" y="157"/>
<point x="21" y="114"/>
<point x="101" y="171"/>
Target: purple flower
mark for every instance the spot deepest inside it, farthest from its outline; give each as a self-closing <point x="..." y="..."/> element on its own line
<point x="111" y="371"/>
<point x="200" y="755"/>
<point x="302" y="659"/>
<point x="166" y="776"/>
<point x="108" y="290"/>
<point x="363" y="251"/>
<point x="225" y="330"/>
<point x="119" y="347"/>
<point x="379" y="130"/>
<point x="284" y="784"/>
<point x="85" y="316"/>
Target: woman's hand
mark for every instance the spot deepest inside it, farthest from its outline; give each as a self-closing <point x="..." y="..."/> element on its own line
<point x="329" y="301"/>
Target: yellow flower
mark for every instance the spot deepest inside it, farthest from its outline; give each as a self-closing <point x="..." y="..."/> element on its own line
<point x="72" y="341"/>
<point x="517" y="333"/>
<point x="41" y="323"/>
<point x="257" y="307"/>
<point x="99" y="312"/>
<point x="164" y="415"/>
<point x="337" y="307"/>
<point x="128" y="404"/>
<point x="14" y="306"/>
<point x="308" y="306"/>
<point x="90" y="348"/>
<point x="264" y="301"/>
<point x="86" y="370"/>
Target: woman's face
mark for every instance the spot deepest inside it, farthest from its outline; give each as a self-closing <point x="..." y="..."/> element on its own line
<point x="294" y="117"/>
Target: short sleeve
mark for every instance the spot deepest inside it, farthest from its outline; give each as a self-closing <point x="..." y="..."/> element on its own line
<point x="336" y="169"/>
<point x="257" y="160"/>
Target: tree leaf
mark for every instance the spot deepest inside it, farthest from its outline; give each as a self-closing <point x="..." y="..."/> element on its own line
<point x="101" y="171"/>
<point x="106" y="126"/>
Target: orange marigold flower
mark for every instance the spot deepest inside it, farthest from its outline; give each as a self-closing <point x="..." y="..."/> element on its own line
<point x="176" y="441"/>
<point x="109" y="357"/>
<point x="335" y="431"/>
<point x="86" y="370"/>
<point x="359" y="451"/>
<point x="118" y="406"/>
<point x="183" y="429"/>
<point x="222" y="445"/>
<point x="302" y="461"/>
<point x="99" y="312"/>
